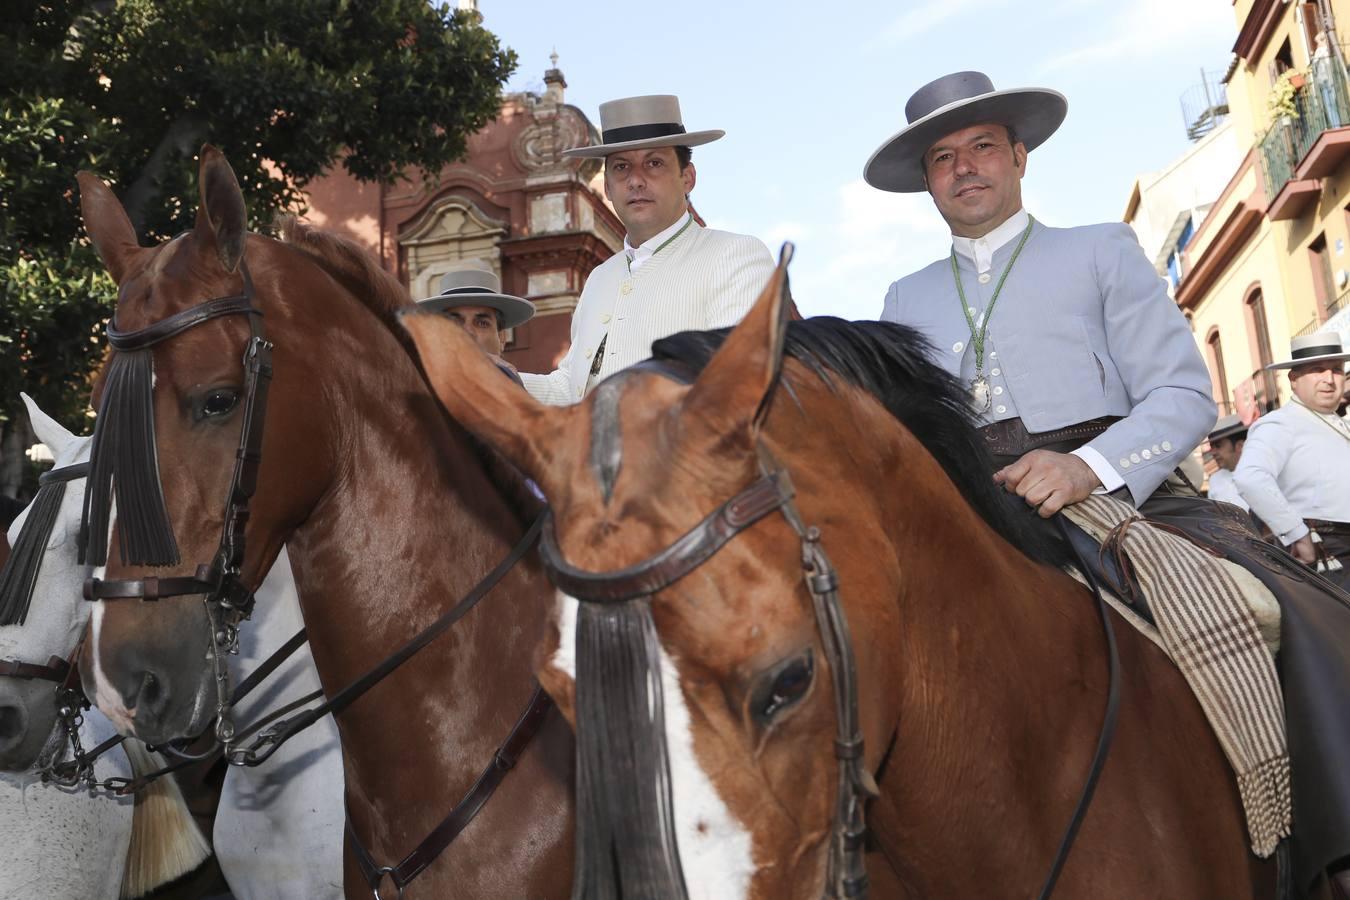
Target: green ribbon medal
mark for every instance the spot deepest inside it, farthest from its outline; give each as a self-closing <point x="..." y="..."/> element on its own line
<point x="980" y="397"/>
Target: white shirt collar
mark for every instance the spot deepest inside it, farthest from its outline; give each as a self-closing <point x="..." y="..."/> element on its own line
<point x="981" y="250"/>
<point x="1330" y="418"/>
<point x="643" y="252"/>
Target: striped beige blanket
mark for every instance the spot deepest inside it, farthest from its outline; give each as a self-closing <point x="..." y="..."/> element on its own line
<point x="1203" y="607"/>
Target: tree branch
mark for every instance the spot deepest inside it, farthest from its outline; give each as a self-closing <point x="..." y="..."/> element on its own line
<point x="182" y="137"/>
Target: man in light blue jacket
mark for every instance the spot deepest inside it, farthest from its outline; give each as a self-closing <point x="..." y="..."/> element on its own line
<point x="1086" y="378"/>
<point x="1081" y="367"/>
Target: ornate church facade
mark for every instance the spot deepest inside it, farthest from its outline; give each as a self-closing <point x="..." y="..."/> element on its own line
<point x="513" y="205"/>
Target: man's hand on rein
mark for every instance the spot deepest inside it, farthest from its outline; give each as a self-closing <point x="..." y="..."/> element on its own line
<point x="1049" y="481"/>
<point x="1304" y="550"/>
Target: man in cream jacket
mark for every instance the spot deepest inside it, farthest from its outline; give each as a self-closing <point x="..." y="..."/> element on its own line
<point x="673" y="274"/>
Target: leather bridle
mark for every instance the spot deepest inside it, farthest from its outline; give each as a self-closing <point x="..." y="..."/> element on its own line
<point x="227" y="598"/>
<point x="846" y="874"/>
<point x="229" y="601"/>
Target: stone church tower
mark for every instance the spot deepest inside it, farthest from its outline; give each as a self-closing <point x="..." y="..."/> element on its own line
<point x="513" y="204"/>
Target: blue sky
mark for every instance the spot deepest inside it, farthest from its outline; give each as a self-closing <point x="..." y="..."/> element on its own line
<point x="807" y="90"/>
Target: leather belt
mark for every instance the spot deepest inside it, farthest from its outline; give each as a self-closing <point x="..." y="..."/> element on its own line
<point x="1335" y="538"/>
<point x="1011" y="438"/>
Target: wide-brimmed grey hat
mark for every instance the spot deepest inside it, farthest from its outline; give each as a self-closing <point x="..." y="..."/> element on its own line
<point x="637" y="123"/>
<point x="1324" y="346"/>
<point x="949" y="104"/>
<point x="1229" y="426"/>
<point x="477" y="287"/>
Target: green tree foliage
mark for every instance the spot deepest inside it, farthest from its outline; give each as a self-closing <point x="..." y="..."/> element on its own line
<point x="131" y="89"/>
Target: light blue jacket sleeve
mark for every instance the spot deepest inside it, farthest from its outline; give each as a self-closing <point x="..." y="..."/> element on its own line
<point x="1155" y="354"/>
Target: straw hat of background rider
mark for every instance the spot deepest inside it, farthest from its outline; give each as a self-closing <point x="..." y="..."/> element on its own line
<point x="639" y="133"/>
<point x="474" y="299"/>
<point x="1316" y="367"/>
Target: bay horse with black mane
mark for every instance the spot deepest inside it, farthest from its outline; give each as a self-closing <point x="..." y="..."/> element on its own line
<point x="388" y="510"/>
<point x="689" y="495"/>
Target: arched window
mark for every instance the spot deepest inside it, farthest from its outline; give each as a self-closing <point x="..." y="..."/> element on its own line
<point x="1217" y="376"/>
<point x="1258" y="334"/>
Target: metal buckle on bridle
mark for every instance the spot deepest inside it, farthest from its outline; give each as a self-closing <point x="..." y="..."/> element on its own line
<point x="380" y="874"/>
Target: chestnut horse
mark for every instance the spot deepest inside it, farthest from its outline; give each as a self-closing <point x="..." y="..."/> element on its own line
<point x="389" y="513"/>
<point x="980" y="666"/>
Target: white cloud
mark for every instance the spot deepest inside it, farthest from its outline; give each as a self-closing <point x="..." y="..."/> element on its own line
<point x="785" y="231"/>
<point x="1149" y="28"/>
<point x="921" y="18"/>
<point x="844" y="267"/>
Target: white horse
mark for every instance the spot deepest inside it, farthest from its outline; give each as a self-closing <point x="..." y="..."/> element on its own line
<point x="66" y="843"/>
<point x="278" y="830"/>
<point x="279" y="826"/>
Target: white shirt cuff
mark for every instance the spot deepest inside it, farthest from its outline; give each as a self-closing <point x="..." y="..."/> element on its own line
<point x="1294" y="536"/>
<point x="1107" y="475"/>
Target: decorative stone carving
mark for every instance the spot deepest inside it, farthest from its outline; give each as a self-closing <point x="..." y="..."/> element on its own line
<point x="555" y="128"/>
<point x="548" y="212"/>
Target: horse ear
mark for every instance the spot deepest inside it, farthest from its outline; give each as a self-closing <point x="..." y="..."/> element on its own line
<point x="221" y="218"/>
<point x="482" y="397"/>
<point x="48" y="430"/>
<point x="736" y="389"/>
<point x="108" y="225"/>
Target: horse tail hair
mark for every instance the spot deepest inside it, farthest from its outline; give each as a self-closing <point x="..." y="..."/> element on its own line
<point x="165" y="840"/>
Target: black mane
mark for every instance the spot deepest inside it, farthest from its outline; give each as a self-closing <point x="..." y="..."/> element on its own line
<point x="892" y="363"/>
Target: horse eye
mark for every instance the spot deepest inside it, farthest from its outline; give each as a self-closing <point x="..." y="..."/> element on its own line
<point x="219" y="402"/>
<point x="788" y="686"/>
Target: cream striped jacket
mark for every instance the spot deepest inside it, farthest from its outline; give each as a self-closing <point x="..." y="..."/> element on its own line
<point x="703" y="279"/>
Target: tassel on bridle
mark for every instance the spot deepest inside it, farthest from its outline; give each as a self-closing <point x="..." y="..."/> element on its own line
<point x="626" y="843"/>
<point x="125" y="467"/>
<point x="25" y="559"/>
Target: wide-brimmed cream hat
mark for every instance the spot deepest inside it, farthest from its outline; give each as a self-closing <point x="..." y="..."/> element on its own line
<point x="478" y="287"/>
<point x="637" y="123"/>
<point x="1324" y="346"/>
<point x="949" y="104"/>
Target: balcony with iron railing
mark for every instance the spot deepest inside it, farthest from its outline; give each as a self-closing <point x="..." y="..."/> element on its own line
<point x="1300" y="148"/>
<point x="1310" y="328"/>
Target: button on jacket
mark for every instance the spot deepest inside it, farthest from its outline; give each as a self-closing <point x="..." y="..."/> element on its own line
<point x="702" y="279"/>
<point x="1083" y="328"/>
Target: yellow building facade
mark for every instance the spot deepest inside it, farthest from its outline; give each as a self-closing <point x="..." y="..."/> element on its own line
<point x="1271" y="260"/>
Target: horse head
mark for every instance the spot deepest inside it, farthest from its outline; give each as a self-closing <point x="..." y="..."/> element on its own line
<point x="172" y="403"/>
<point x="704" y="706"/>
<point x="41" y="614"/>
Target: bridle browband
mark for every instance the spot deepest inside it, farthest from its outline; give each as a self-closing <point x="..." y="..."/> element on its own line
<point x="846" y="874"/>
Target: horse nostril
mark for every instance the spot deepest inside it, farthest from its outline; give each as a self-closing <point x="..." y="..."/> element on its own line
<point x="151" y="695"/>
<point x="12" y="725"/>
